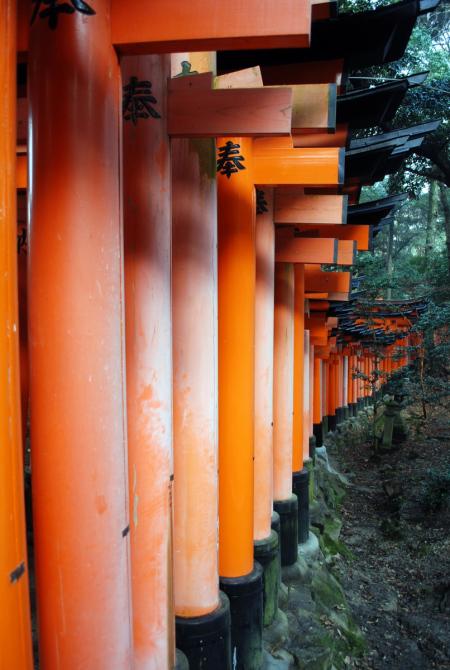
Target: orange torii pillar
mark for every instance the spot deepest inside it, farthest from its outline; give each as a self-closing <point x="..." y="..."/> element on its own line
<point x="345" y="386"/>
<point x="285" y="502"/>
<point x="317" y="404"/>
<point x="266" y="547"/>
<point x="352" y="380"/>
<point x="202" y="612"/>
<point x="79" y="459"/>
<point x="339" y="386"/>
<point x="300" y="473"/>
<point x="324" y="410"/>
<point x="15" y="624"/>
<point x="241" y="577"/>
<point x="306" y="396"/>
<point x="331" y="409"/>
<point x="147" y="224"/>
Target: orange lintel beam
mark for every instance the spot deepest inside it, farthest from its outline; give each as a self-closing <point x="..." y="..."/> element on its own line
<point x="346" y="252"/>
<point x="293" y="206"/>
<point x="360" y="234"/>
<point x="277" y="163"/>
<point x="312" y="295"/>
<point x="290" y="249"/>
<point x="198" y="111"/>
<point x="318" y="280"/>
<point x="167" y="26"/>
<point x="320" y="139"/>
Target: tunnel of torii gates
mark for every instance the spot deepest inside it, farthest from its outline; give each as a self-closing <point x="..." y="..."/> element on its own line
<point x="173" y="176"/>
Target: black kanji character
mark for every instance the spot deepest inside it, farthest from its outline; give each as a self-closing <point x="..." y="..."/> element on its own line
<point x="137" y="101"/>
<point x="52" y="8"/>
<point x="261" y="202"/>
<point x="230" y="160"/>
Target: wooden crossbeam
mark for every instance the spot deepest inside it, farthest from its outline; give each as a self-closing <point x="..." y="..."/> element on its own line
<point x="290" y="249"/>
<point x="293" y="206"/>
<point x="170" y="26"/>
<point x="207" y="112"/>
<point x="277" y="163"/>
<point x="360" y="234"/>
<point x="318" y="280"/>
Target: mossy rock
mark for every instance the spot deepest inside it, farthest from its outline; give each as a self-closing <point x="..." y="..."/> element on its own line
<point x="326" y="591"/>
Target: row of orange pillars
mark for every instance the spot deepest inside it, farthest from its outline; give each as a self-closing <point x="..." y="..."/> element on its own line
<point x="172" y="362"/>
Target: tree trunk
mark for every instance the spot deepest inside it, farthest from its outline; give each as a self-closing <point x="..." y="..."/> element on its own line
<point x="390" y="262"/>
<point x="446" y="212"/>
<point x="431" y="213"/>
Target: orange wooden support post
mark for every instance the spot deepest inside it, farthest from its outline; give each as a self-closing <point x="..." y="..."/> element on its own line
<point x="317" y="409"/>
<point x="241" y="578"/>
<point x="79" y="460"/>
<point x="147" y="223"/>
<point x="266" y="541"/>
<point x="306" y="395"/>
<point x="340" y="386"/>
<point x="285" y="502"/>
<point x="345" y="386"/>
<point x="15" y="624"/>
<point x="325" y="391"/>
<point x="300" y="473"/>
<point x="332" y="392"/>
<point x="199" y="606"/>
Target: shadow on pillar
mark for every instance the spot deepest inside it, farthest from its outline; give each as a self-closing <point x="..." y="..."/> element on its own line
<point x="267" y="554"/>
<point x="205" y="640"/>
<point x="288" y="511"/>
<point x="300" y="486"/>
<point x="246" y="607"/>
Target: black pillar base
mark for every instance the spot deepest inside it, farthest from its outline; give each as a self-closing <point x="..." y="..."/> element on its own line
<point x="246" y="606"/>
<point x="324" y="425"/>
<point x="181" y="662"/>
<point x="266" y="553"/>
<point x="346" y="412"/>
<point x="360" y="404"/>
<point x="318" y="434"/>
<point x="339" y="415"/>
<point x="206" y="640"/>
<point x="353" y="408"/>
<point x="331" y="422"/>
<point x="288" y="511"/>
<point x="300" y="486"/>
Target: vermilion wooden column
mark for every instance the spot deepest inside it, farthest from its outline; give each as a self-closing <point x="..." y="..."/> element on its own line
<point x="236" y="200"/>
<point x="241" y="579"/>
<point x="317" y="408"/>
<point x="311" y="390"/>
<point x="306" y="395"/>
<point x="15" y="625"/>
<point x="283" y="392"/>
<point x="264" y="321"/>
<point x="299" y="336"/>
<point x="79" y="461"/>
<point x="285" y="502"/>
<point x="147" y="222"/>
<point x="194" y="295"/>
<point x="324" y="396"/>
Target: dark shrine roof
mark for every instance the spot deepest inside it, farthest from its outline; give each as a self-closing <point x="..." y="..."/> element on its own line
<point x="367" y="107"/>
<point x="362" y="39"/>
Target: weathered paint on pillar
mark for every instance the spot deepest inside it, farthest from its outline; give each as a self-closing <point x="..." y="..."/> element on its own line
<point x="346" y="386"/>
<point x="264" y="309"/>
<point x="15" y="625"/>
<point x="79" y="458"/>
<point x="237" y="261"/>
<point x="194" y="296"/>
<point x="317" y="408"/>
<point x="324" y="383"/>
<point x="311" y="388"/>
<point x="147" y="224"/>
<point x="306" y="395"/>
<point x="283" y="390"/>
<point x="299" y="353"/>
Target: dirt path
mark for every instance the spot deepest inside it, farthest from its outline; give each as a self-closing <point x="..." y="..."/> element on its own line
<point x="398" y="584"/>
